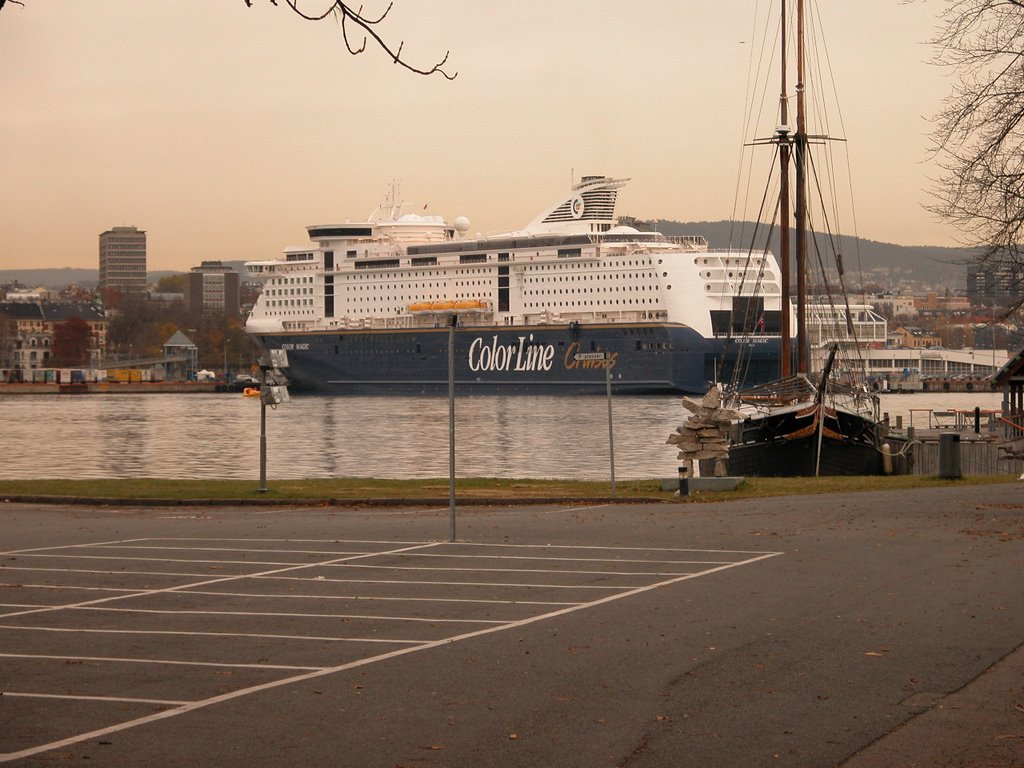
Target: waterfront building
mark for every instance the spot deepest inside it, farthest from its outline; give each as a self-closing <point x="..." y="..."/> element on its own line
<point x="212" y="288"/>
<point x="894" y="306"/>
<point x="847" y="324"/>
<point x="27" y="331"/>
<point x="913" y="336"/>
<point x="123" y="260"/>
<point x="181" y="358"/>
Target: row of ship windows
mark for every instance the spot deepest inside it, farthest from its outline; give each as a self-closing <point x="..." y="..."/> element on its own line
<point x="480" y="285"/>
<point x="726" y="262"/>
<point x="382" y="302"/>
<point x="587" y="304"/>
<point x="595" y="276"/>
<point x="607" y="276"/>
<point x="289" y="291"/>
<point x="751" y="274"/>
<point x="290" y="280"/>
<point x="373" y="276"/>
<point x="616" y="289"/>
<point x="290" y="302"/>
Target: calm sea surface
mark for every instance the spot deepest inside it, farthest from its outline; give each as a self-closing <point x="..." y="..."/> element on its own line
<point x="217" y="435"/>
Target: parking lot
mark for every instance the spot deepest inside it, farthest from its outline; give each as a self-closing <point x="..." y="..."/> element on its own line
<point x="614" y="635"/>
<point x="164" y="625"/>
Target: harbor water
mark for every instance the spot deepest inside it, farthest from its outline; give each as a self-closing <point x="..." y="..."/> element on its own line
<point x="217" y="435"/>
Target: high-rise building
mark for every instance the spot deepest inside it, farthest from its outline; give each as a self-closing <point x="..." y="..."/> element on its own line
<point x="998" y="284"/>
<point x="123" y="260"/>
<point x="212" y="287"/>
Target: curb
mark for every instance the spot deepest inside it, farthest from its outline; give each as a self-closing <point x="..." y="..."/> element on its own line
<point x="329" y="502"/>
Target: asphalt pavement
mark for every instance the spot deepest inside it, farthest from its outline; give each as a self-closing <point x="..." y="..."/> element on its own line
<point x="854" y="630"/>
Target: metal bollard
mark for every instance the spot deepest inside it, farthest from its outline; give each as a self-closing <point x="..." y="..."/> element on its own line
<point x="684" y="481"/>
<point x="949" y="456"/>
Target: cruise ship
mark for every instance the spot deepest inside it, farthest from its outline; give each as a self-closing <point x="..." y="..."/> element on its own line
<point x="571" y="301"/>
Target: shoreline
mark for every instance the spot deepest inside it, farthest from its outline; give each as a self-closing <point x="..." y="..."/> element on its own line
<point x="116" y="387"/>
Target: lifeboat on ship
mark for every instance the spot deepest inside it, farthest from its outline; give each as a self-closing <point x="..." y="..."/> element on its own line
<point x="444" y="307"/>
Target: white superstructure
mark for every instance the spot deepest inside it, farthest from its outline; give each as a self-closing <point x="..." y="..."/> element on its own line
<point x="571" y="264"/>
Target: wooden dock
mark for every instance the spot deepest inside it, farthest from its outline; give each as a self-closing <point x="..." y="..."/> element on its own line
<point x="979" y="451"/>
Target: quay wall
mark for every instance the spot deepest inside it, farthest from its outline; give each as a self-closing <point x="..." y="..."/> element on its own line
<point x="112" y="388"/>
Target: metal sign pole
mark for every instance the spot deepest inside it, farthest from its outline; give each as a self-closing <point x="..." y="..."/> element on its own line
<point x="452" y="322"/>
<point x="263" y="435"/>
<point x="273" y="391"/>
<point x="611" y="438"/>
<point x="607" y="361"/>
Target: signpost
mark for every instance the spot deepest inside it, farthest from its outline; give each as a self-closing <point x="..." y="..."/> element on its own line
<point x="273" y="392"/>
<point x="606" y="358"/>
<point x="453" y="321"/>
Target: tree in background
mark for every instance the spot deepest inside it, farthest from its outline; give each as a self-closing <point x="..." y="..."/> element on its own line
<point x="978" y="133"/>
<point x="72" y="340"/>
<point x="366" y="26"/>
<point x="346" y="17"/>
<point x="171" y="283"/>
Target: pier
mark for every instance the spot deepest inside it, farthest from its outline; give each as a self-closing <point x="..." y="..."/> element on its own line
<point x="980" y="433"/>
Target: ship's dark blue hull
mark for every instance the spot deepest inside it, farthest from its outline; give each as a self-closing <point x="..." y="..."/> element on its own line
<point x="645" y="358"/>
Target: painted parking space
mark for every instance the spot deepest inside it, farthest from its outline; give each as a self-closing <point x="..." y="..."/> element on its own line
<point x="113" y="634"/>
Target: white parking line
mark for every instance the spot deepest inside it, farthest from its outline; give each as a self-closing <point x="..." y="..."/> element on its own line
<point x="220" y="580"/>
<point x="321" y="638"/>
<point x="271" y="614"/>
<point x="158" y="662"/>
<point x="611" y="560"/>
<point x="115" y="699"/>
<point x="669" y="574"/>
<point x="185" y="707"/>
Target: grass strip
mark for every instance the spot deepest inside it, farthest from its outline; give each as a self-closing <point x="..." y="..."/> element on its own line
<point x="466" y="490"/>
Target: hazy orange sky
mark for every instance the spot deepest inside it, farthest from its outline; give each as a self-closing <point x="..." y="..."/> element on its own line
<point x="224" y="130"/>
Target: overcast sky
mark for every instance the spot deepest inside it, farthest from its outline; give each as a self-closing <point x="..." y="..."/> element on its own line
<point x="223" y="130"/>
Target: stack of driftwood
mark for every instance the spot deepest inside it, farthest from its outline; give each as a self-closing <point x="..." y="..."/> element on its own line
<point x="705" y="435"/>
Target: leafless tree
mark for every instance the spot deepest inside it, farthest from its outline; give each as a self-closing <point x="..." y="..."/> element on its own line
<point x="366" y="27"/>
<point x="979" y="132"/>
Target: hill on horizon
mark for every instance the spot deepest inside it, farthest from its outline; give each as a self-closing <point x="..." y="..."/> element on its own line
<point x="928" y="265"/>
<point x="61" y="277"/>
<point x="938" y="265"/>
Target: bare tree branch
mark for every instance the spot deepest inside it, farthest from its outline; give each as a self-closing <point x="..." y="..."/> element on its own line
<point x="345" y="15"/>
<point x="978" y="133"/>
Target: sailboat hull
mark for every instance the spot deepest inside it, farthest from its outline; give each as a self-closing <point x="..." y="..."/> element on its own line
<point x="799" y="458"/>
<point x="786" y="443"/>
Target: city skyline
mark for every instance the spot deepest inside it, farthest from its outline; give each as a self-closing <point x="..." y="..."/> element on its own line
<point x="224" y="131"/>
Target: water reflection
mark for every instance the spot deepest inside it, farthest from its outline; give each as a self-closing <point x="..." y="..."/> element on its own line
<point x="217" y="435"/>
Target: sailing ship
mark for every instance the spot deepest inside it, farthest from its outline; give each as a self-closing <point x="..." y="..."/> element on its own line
<point x="802" y="424"/>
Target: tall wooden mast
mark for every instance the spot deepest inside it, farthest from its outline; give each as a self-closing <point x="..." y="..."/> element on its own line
<point x="782" y="136"/>
<point x="800" y="146"/>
